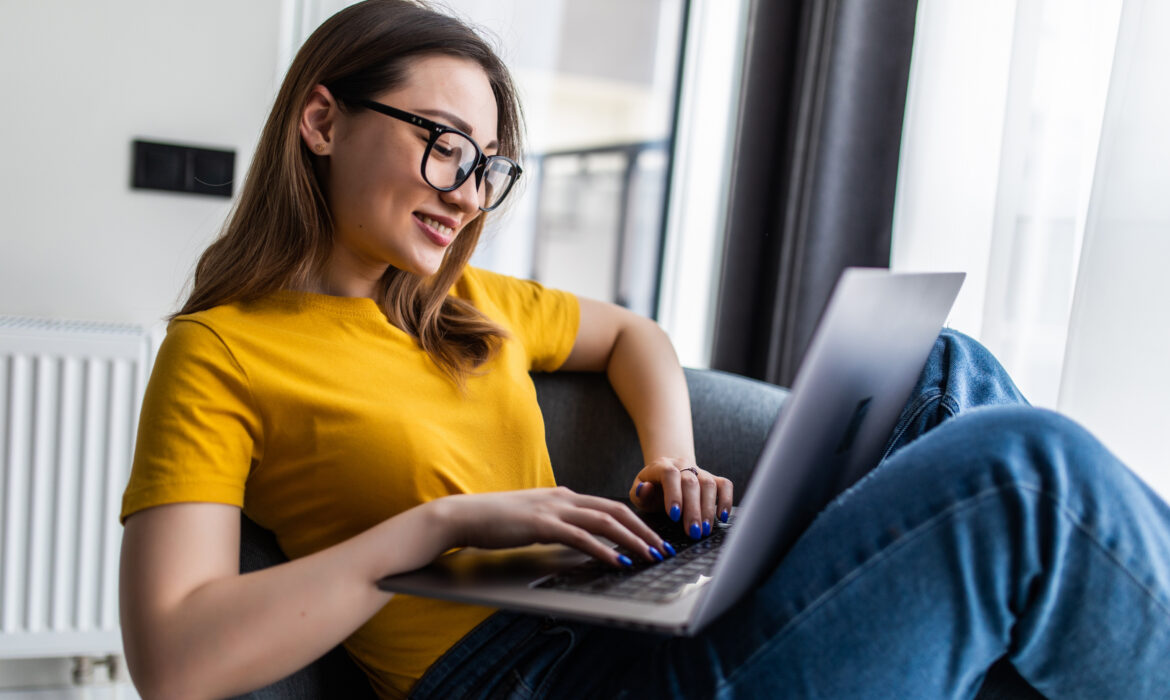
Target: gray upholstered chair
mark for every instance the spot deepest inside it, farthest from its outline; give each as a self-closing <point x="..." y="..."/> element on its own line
<point x="594" y="449"/>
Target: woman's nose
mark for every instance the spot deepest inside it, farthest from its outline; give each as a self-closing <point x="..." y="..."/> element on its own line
<point x="465" y="196"/>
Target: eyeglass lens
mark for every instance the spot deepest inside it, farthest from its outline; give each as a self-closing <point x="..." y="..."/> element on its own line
<point x="451" y="160"/>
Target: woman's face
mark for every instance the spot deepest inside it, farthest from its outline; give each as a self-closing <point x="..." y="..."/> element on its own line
<point x="384" y="213"/>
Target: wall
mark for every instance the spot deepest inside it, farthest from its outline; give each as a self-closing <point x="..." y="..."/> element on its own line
<point x="80" y="81"/>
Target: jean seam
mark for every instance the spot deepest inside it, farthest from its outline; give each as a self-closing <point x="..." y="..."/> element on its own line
<point x="554" y="667"/>
<point x="924" y="401"/>
<point x="1076" y="521"/>
<point x="519" y="683"/>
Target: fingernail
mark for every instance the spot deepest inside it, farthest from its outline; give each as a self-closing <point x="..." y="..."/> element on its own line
<point x="638" y="491"/>
<point x="668" y="548"/>
<point x="656" y="554"/>
<point x="625" y="561"/>
<point x="696" y="531"/>
<point x="724" y="515"/>
<point x="675" y="512"/>
<point x="706" y="528"/>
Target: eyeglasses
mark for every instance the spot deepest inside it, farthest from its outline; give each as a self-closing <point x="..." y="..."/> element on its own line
<point x="452" y="156"/>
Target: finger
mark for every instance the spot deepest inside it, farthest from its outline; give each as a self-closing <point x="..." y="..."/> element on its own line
<point x="709" y="490"/>
<point x="672" y="492"/>
<point x="692" y="519"/>
<point x="655" y="547"/>
<point x="649" y="495"/>
<point x="646" y="495"/>
<point x="581" y="539"/>
<point x="623" y="529"/>
<point x="725" y="498"/>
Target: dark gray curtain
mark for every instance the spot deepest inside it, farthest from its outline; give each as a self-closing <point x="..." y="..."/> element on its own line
<point x="816" y="160"/>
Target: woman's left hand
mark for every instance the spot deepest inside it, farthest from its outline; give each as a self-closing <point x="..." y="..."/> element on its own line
<point x="686" y="492"/>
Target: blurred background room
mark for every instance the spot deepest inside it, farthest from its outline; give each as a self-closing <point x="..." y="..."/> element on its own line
<point x="711" y="164"/>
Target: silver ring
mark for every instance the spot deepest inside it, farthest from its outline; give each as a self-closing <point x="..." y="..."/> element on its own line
<point x="690" y="469"/>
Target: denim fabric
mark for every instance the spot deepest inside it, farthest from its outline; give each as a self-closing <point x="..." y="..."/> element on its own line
<point x="507" y="656"/>
<point x="960" y="374"/>
<point x="993" y="528"/>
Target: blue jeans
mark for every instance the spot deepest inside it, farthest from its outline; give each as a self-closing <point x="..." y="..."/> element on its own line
<point x="991" y="529"/>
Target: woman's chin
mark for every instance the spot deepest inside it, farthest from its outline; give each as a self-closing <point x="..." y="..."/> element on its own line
<point x="421" y="268"/>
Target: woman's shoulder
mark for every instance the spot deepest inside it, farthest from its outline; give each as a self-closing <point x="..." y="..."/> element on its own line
<point x="215" y="325"/>
<point x="522" y="305"/>
<point x="204" y="334"/>
<point x="229" y="325"/>
<point x="479" y="279"/>
<point x="282" y="309"/>
<point x="477" y="283"/>
<point x="223" y="315"/>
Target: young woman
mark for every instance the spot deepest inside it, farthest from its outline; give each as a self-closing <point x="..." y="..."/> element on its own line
<point x="342" y="375"/>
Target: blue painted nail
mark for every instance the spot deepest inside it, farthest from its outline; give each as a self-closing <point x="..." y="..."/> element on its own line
<point x="668" y="548"/>
<point x="724" y="515"/>
<point x="638" y="491"/>
<point x="675" y="512"/>
<point x="625" y="561"/>
<point x="656" y="554"/>
<point x="706" y="528"/>
<point x="696" y="531"/>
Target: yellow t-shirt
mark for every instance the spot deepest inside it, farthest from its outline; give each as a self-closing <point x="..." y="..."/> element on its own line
<point x="320" y="419"/>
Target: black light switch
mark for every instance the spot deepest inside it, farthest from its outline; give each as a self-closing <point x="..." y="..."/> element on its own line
<point x="162" y="166"/>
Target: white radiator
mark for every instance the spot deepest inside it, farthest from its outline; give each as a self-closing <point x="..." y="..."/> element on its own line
<point x="69" y="399"/>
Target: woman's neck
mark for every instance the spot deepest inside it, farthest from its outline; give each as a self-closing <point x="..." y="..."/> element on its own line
<point x="342" y="277"/>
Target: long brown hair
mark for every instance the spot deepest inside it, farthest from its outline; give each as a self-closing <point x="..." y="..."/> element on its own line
<point x="280" y="233"/>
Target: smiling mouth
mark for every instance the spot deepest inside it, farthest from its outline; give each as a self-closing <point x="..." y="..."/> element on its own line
<point x="445" y="231"/>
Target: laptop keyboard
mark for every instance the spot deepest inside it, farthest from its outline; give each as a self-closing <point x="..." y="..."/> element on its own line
<point x="648" y="581"/>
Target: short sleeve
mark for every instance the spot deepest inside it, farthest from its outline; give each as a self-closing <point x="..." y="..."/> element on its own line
<point x="198" y="432"/>
<point x="544" y="320"/>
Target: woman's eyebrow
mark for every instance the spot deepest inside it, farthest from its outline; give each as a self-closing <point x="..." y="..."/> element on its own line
<point x="458" y="123"/>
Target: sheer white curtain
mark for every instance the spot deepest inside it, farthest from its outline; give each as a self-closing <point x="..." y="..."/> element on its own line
<point x="1036" y="157"/>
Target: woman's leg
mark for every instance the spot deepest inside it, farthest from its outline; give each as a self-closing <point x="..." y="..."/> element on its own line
<point x="959" y="375"/>
<point x="1008" y="530"/>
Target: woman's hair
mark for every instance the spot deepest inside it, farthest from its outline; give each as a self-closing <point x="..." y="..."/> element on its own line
<point x="280" y="233"/>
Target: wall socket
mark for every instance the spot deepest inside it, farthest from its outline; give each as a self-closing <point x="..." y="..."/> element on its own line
<point x="175" y="168"/>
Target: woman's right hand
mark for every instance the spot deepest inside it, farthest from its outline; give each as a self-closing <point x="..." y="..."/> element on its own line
<point x="516" y="518"/>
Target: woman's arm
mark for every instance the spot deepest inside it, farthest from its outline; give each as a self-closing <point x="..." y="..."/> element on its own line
<point x="645" y="373"/>
<point x="193" y="626"/>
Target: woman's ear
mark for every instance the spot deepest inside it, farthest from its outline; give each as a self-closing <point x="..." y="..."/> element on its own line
<point x="318" y="120"/>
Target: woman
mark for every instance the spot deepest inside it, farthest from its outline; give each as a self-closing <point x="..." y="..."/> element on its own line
<point x="342" y="375"/>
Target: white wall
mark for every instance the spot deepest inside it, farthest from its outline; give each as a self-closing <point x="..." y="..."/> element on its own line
<point x="80" y="80"/>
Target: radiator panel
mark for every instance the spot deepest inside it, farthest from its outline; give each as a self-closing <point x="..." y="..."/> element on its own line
<point x="69" y="399"/>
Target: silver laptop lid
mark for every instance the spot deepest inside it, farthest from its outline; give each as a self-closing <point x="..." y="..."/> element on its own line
<point x="864" y="359"/>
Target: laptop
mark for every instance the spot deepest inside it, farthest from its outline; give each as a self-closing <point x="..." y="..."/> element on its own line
<point x="865" y="356"/>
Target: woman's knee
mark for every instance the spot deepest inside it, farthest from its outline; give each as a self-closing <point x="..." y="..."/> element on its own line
<point x="959" y="375"/>
<point x="974" y="376"/>
<point x="1038" y="448"/>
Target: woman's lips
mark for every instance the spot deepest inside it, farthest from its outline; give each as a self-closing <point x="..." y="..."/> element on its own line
<point x="440" y="234"/>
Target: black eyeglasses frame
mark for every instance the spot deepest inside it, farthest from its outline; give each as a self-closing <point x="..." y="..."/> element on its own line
<point x="436" y="130"/>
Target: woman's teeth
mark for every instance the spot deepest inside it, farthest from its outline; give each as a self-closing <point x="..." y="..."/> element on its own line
<point x="446" y="231"/>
